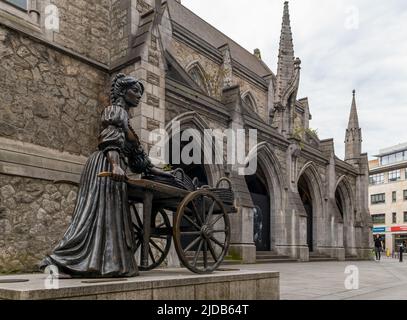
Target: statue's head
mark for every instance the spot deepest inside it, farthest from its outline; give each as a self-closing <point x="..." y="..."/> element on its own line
<point x="127" y="90"/>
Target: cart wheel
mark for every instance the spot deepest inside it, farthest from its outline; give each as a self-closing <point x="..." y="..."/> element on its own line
<point x="201" y="232"/>
<point x="160" y="240"/>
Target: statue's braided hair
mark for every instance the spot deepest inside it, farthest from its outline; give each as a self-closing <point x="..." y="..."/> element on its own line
<point x="120" y="84"/>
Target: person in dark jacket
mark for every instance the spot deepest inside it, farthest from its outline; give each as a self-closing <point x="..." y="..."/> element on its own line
<point x="378" y="247"/>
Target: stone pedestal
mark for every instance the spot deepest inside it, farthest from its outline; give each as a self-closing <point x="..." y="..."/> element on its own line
<point x="168" y="284"/>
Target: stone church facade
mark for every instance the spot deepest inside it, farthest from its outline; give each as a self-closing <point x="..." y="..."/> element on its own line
<point x="54" y="83"/>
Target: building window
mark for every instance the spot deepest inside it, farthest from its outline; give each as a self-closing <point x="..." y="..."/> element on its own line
<point x="250" y="101"/>
<point x="394" y="175"/>
<point x="405" y="216"/>
<point x="393" y="158"/>
<point x="24" y="10"/>
<point x="197" y="74"/>
<point x="394" y="196"/>
<point x="379" y="218"/>
<point x="405" y="195"/>
<point x="378" y="198"/>
<point x="394" y="217"/>
<point x="376" y="179"/>
<point x="21" y="4"/>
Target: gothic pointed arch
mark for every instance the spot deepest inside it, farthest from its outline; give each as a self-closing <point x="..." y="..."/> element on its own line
<point x="345" y="202"/>
<point x="250" y="101"/>
<point x="344" y="187"/>
<point x="196" y="125"/>
<point x="310" y="190"/>
<point x="197" y="73"/>
<point x="269" y="177"/>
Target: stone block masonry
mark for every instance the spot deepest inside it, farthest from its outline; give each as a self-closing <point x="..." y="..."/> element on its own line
<point x="48" y="98"/>
<point x="85" y="27"/>
<point x="34" y="214"/>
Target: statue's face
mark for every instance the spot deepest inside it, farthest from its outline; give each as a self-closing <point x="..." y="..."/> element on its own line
<point x="133" y="97"/>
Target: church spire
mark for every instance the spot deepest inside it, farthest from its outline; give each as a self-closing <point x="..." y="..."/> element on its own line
<point x="353" y="140"/>
<point x="353" y="118"/>
<point x="285" y="67"/>
<point x="288" y="80"/>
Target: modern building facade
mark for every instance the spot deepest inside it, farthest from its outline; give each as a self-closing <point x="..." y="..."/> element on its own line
<point x="388" y="196"/>
<point x="54" y="81"/>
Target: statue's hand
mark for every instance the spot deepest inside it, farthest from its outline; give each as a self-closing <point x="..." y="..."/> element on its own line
<point x="118" y="174"/>
<point x="158" y="172"/>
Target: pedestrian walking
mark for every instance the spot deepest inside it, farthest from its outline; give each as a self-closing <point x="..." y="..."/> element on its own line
<point x="401" y="251"/>
<point x="378" y="248"/>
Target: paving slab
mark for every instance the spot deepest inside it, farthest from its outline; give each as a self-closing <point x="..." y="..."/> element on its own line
<point x="386" y="280"/>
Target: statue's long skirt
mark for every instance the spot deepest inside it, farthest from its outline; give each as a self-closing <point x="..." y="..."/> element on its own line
<point x="100" y="240"/>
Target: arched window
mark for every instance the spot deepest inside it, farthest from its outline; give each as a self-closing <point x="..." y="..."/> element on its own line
<point x="197" y="74"/>
<point x="249" y="100"/>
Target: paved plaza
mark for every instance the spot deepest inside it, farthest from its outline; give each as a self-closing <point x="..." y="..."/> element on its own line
<point x="384" y="280"/>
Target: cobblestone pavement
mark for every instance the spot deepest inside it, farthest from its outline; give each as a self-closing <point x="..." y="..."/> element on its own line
<point x="384" y="280"/>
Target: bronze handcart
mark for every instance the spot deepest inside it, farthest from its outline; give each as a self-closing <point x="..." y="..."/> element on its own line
<point x="200" y="225"/>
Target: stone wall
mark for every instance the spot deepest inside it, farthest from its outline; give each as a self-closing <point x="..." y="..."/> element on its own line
<point x="214" y="75"/>
<point x="34" y="214"/>
<point x="212" y="71"/>
<point x="48" y="98"/>
<point x="119" y="30"/>
<point x="259" y="95"/>
<point x="85" y="27"/>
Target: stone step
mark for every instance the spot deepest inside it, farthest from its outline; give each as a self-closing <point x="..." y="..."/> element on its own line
<point x="276" y="260"/>
<point x="227" y="260"/>
<point x="272" y="257"/>
<point x="352" y="258"/>
<point x="321" y="259"/>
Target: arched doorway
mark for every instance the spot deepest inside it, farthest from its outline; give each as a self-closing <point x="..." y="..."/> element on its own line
<point x="344" y="202"/>
<point x="306" y="197"/>
<point x="340" y="202"/>
<point x="193" y="170"/>
<point x="257" y="185"/>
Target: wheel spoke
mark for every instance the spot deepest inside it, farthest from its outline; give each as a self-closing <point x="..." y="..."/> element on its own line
<point x="196" y="212"/>
<point x="140" y="224"/>
<point x="191" y="233"/>
<point x="220" y="231"/>
<point x="137" y="229"/>
<point x="156" y="246"/>
<point x="197" y="252"/>
<point x="203" y="207"/>
<point x="138" y="244"/>
<point x="160" y="226"/>
<point x="218" y="242"/>
<point x="213" y="253"/>
<point x="216" y="220"/>
<point x="192" y="222"/>
<point x="163" y="237"/>
<point x="151" y="255"/>
<point x="191" y="245"/>
<point x="205" y="255"/>
<point x="210" y="213"/>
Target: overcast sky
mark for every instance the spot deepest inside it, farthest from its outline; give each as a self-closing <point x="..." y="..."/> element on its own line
<point x="343" y="45"/>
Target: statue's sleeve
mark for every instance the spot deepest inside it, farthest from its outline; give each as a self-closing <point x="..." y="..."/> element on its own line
<point x="114" y="124"/>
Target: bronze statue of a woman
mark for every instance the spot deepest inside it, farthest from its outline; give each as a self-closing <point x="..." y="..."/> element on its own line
<point x="100" y="241"/>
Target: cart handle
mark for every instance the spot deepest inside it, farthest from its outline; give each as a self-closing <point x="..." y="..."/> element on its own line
<point x="105" y="174"/>
<point x="224" y="180"/>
